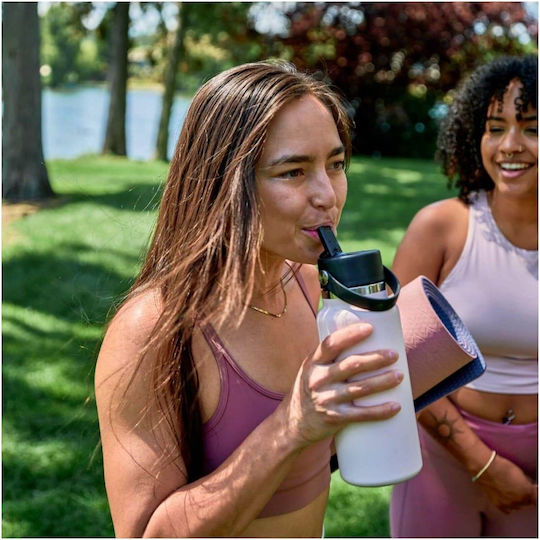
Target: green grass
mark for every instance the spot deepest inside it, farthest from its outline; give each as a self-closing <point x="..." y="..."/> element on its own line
<point x="383" y="196"/>
<point x="64" y="266"/>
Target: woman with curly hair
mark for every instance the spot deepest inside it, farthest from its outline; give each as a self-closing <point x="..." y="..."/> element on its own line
<point x="217" y="403"/>
<point x="479" y="444"/>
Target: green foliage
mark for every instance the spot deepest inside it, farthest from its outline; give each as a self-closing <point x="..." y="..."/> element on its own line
<point x="61" y="42"/>
<point x="70" y="51"/>
<point x="90" y="61"/>
<point x="64" y="267"/>
<point x="394" y="61"/>
<point x="217" y="37"/>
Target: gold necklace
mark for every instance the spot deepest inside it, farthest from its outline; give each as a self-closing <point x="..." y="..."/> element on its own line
<point x="275" y="315"/>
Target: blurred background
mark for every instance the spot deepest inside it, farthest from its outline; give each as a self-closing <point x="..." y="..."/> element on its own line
<point x="93" y="95"/>
<point x="397" y="63"/>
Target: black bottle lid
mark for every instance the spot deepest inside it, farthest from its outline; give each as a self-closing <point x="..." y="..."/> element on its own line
<point x="340" y="273"/>
<point x="351" y="269"/>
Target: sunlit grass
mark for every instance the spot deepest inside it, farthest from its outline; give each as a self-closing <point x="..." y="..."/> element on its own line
<point x="356" y="512"/>
<point x="64" y="267"/>
<point x="61" y="275"/>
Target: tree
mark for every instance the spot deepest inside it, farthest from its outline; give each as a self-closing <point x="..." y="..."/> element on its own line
<point x="24" y="173"/>
<point x="69" y="48"/>
<point x="217" y="36"/>
<point x="397" y="62"/>
<point x="170" y="87"/>
<point x="205" y="32"/>
<point x="115" y="135"/>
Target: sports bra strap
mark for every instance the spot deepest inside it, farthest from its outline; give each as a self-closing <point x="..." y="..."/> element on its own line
<point x="213" y="339"/>
<point x="303" y="288"/>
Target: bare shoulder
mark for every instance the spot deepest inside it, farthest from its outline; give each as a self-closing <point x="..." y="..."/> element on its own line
<point x="432" y="240"/>
<point x="126" y="336"/>
<point x="133" y="438"/>
<point x="139" y="314"/>
<point x="439" y="217"/>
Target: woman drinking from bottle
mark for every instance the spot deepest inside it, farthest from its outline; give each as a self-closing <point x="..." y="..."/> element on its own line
<point x="217" y="404"/>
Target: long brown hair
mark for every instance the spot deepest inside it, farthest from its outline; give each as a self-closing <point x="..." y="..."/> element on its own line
<point x="205" y="249"/>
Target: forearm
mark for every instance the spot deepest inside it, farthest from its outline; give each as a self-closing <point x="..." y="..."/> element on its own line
<point x="445" y="424"/>
<point x="226" y="501"/>
<point x="505" y="485"/>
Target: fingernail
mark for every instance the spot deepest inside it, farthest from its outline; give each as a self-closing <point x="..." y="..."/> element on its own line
<point x="395" y="407"/>
<point x="392" y="354"/>
<point x="399" y="375"/>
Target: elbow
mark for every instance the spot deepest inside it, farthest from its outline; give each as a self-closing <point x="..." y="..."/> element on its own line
<point x="163" y="525"/>
<point x="165" y="529"/>
<point x="175" y="520"/>
<point x="157" y="527"/>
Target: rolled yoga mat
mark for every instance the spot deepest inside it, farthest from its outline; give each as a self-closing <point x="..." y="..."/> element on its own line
<point x="441" y="353"/>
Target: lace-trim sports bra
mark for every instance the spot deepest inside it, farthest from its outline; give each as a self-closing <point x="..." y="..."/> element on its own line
<point x="244" y="404"/>
<point x="494" y="288"/>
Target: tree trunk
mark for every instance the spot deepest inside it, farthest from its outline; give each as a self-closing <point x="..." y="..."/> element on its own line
<point x="115" y="135"/>
<point x="170" y="87"/>
<point x="24" y="173"/>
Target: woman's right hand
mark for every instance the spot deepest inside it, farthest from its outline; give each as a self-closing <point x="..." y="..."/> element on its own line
<point x="321" y="401"/>
<point x="504" y="483"/>
<point x="506" y="486"/>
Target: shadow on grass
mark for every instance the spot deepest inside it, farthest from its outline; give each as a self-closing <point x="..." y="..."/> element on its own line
<point x="55" y="308"/>
<point x="383" y="197"/>
<point x="135" y="197"/>
<point x="52" y="466"/>
<point x="57" y="297"/>
<point x="62" y="285"/>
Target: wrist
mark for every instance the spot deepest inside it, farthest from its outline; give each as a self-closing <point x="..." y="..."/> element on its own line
<point x="485" y="467"/>
<point x="286" y="438"/>
<point x="476" y="457"/>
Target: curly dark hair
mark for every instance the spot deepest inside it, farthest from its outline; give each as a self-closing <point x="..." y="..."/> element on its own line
<point x="461" y="131"/>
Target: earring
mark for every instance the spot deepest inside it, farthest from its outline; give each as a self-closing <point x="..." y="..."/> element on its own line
<point x="509" y="154"/>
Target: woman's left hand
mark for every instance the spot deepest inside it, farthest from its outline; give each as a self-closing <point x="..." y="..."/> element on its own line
<point x="321" y="401"/>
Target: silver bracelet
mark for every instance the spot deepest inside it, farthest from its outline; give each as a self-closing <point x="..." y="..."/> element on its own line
<point x="485" y="467"/>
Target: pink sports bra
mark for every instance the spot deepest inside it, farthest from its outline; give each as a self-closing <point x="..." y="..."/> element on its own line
<point x="244" y="404"/>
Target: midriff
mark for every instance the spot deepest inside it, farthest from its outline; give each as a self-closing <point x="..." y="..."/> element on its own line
<point x="306" y="522"/>
<point x="495" y="407"/>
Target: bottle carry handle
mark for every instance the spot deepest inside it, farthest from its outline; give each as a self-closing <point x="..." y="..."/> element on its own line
<point x="331" y="284"/>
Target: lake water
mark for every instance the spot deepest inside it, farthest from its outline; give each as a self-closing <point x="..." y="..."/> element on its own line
<point x="74" y="122"/>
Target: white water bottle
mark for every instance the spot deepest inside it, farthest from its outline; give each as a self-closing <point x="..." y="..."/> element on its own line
<point x="380" y="452"/>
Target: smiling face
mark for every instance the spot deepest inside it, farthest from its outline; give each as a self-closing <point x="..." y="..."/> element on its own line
<point x="300" y="180"/>
<point x="509" y="145"/>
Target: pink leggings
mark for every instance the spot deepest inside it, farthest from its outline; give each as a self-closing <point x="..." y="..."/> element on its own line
<point x="441" y="501"/>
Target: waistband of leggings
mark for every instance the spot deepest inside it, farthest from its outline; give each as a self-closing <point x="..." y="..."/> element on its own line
<point x="490" y="425"/>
